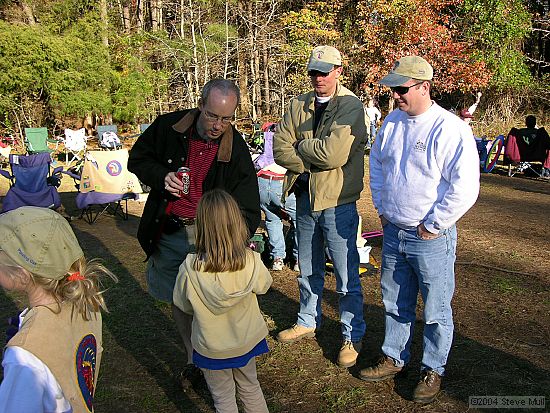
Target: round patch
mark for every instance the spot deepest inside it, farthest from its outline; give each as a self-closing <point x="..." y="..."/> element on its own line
<point x="114" y="168"/>
<point x="85" y="368"/>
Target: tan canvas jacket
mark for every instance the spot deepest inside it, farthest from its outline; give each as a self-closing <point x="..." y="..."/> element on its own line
<point x="334" y="157"/>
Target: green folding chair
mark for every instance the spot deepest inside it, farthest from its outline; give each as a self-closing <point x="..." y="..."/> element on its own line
<point x="36" y="141"/>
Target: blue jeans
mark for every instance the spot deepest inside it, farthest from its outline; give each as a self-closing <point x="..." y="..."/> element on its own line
<point x="163" y="266"/>
<point x="411" y="264"/>
<point x="372" y="132"/>
<point x="270" y="201"/>
<point x="335" y="228"/>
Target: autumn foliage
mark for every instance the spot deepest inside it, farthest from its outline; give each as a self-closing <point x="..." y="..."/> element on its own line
<point x="388" y="30"/>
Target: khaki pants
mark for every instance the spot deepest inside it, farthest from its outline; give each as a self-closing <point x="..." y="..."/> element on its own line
<point x="222" y="384"/>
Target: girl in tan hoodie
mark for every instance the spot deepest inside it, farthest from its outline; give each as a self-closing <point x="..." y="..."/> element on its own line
<point x="218" y="286"/>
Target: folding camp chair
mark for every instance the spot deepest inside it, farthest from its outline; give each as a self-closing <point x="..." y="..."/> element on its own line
<point x="75" y="144"/>
<point x="31" y="182"/>
<point x="519" y="156"/>
<point x="142" y="128"/>
<point x="105" y="185"/>
<point x="36" y="140"/>
<point x="107" y="137"/>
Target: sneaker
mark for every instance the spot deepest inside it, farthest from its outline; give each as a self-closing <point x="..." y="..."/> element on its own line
<point x="295" y="333"/>
<point x="278" y="264"/>
<point x="348" y="353"/>
<point x="427" y="388"/>
<point x="190" y="377"/>
<point x="296" y="267"/>
<point x="384" y="369"/>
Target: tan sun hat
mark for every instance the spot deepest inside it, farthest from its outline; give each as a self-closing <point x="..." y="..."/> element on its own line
<point x="324" y="58"/>
<point x="407" y="68"/>
<point x="39" y="240"/>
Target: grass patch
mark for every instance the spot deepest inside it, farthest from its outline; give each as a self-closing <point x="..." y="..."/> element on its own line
<point x="506" y="285"/>
<point x="339" y="400"/>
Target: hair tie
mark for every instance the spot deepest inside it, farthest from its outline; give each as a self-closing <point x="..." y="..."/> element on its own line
<point x="75" y="277"/>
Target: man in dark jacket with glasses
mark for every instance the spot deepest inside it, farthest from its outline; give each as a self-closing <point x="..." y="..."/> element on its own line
<point x="216" y="156"/>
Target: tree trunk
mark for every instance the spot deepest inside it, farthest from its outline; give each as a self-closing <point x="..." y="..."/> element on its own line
<point x="242" y="76"/>
<point x="104" y="23"/>
<point x="254" y="65"/>
<point x="124" y="11"/>
<point x="139" y="14"/>
<point x="195" y="86"/>
<point x="27" y="11"/>
<point x="206" y="74"/>
<point x="265" y="74"/>
<point x="156" y="15"/>
<point x="182" y="20"/>
<point x="226" y="65"/>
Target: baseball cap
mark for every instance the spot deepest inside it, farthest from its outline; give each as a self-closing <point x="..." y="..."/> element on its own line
<point x="324" y="58"/>
<point x="465" y="114"/>
<point x="39" y="240"/>
<point x="406" y="68"/>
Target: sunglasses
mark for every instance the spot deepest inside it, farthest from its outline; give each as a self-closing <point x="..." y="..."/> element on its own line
<point x="403" y="90"/>
<point x="316" y="73"/>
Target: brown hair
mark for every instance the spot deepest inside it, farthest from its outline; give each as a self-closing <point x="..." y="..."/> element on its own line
<point x="222" y="234"/>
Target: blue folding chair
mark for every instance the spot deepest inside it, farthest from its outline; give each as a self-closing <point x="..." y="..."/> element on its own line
<point x="32" y="183"/>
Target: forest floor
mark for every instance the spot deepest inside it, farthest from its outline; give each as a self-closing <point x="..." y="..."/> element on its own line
<point x="501" y="312"/>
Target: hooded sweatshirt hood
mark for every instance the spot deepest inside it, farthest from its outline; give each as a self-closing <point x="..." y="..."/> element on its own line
<point x="227" y="321"/>
<point x="219" y="292"/>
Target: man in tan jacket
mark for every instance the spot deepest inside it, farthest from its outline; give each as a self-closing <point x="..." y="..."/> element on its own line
<point x="321" y="141"/>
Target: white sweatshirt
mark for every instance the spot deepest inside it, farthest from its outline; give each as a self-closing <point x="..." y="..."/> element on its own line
<point x="29" y="385"/>
<point x="424" y="169"/>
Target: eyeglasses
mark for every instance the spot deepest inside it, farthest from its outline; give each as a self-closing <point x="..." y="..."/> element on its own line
<point x="316" y="73"/>
<point x="215" y="118"/>
<point x="403" y="90"/>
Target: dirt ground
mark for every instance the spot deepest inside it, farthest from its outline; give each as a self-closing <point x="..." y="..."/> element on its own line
<point x="501" y="312"/>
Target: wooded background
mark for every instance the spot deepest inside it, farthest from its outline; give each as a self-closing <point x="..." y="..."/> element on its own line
<point x="125" y="61"/>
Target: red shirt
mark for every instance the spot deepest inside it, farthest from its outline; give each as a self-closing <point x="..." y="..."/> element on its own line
<point x="199" y="160"/>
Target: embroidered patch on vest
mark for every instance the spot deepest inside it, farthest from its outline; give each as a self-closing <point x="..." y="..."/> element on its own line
<point x="85" y="368"/>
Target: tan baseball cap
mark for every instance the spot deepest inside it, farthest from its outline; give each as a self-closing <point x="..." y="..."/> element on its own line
<point x="39" y="240"/>
<point x="324" y="58"/>
<point x="407" y="68"/>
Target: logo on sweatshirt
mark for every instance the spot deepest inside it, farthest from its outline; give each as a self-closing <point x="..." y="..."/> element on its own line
<point x="85" y="369"/>
<point x="420" y="146"/>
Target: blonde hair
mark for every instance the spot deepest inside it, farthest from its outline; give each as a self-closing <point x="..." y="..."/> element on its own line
<point x="85" y="293"/>
<point x="221" y="233"/>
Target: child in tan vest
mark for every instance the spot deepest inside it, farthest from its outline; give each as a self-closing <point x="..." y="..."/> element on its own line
<point x="51" y="364"/>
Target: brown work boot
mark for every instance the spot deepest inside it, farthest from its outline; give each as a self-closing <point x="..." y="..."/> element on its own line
<point x="348" y="353"/>
<point x="427" y="388"/>
<point x="295" y="333"/>
<point x="383" y="370"/>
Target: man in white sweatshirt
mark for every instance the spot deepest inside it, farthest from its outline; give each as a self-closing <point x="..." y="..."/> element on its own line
<point x="424" y="175"/>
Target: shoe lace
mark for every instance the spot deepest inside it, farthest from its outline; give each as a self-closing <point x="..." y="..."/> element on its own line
<point x="429" y="378"/>
<point x="347" y="344"/>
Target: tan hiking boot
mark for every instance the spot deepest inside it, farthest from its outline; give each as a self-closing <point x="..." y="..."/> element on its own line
<point x="427" y="388"/>
<point x="348" y="353"/>
<point x="383" y="370"/>
<point x="295" y="333"/>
